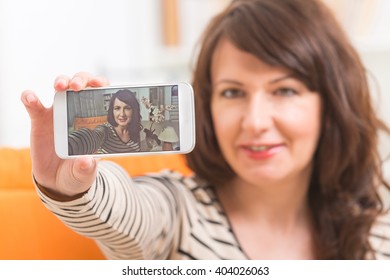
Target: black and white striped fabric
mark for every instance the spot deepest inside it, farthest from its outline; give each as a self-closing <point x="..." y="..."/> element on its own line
<point x="160" y="216"/>
<point x="102" y="140"/>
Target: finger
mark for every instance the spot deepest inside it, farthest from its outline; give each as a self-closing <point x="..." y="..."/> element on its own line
<point x="80" y="81"/>
<point x="61" y="83"/>
<point x="33" y="105"/>
<point x="98" y="81"/>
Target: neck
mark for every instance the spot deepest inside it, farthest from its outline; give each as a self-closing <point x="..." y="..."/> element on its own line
<point x="283" y="205"/>
<point x="121" y="129"/>
<point x="270" y="221"/>
<point x="123" y="133"/>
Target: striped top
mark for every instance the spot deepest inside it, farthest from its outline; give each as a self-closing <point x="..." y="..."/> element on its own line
<point x="161" y="216"/>
<point x="102" y="140"/>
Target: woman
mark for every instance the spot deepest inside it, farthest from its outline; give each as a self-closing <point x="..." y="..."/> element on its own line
<point x="303" y="39"/>
<point x="120" y="135"/>
<point x="286" y="163"/>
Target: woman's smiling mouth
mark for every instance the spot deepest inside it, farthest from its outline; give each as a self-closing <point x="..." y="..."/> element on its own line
<point x="261" y="151"/>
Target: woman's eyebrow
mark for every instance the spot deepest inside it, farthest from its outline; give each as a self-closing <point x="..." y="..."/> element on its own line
<point x="229" y="81"/>
<point x="288" y="76"/>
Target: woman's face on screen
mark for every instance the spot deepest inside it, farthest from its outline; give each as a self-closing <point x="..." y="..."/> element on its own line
<point x="122" y="113"/>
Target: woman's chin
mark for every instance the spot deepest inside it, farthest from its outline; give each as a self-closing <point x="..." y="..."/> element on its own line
<point x="122" y="124"/>
<point x="263" y="176"/>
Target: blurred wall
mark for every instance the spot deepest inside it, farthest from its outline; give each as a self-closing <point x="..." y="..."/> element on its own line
<point x="122" y="40"/>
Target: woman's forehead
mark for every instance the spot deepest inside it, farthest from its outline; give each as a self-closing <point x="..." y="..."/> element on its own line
<point x="118" y="102"/>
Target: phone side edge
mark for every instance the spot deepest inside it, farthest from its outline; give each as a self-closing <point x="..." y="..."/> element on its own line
<point x="186" y="117"/>
<point x="60" y="129"/>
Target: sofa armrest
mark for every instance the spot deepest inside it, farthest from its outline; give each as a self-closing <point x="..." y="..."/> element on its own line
<point x="29" y="231"/>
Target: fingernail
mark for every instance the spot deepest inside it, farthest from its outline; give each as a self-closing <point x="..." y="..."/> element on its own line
<point x="30" y="98"/>
<point x="60" y="81"/>
<point x="77" y="83"/>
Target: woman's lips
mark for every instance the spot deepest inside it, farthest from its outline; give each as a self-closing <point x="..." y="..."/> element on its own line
<point x="261" y="151"/>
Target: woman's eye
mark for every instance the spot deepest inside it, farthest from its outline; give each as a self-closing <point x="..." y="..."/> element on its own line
<point x="286" y="92"/>
<point x="232" y="93"/>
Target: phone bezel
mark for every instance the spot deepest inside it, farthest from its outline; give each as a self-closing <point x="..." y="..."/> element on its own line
<point x="186" y="121"/>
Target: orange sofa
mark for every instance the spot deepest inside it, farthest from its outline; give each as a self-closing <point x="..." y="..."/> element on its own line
<point x="29" y="231"/>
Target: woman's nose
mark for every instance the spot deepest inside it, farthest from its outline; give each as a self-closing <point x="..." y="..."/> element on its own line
<point x="258" y="116"/>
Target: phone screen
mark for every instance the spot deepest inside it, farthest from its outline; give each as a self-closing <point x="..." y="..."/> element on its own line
<point x="123" y="120"/>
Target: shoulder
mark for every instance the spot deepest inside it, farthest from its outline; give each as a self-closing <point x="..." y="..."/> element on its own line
<point x="380" y="236"/>
<point x="104" y="127"/>
<point x="100" y="129"/>
<point x="168" y="177"/>
<point x="190" y="184"/>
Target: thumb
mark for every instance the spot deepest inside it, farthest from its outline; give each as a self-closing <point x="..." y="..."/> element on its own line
<point x="83" y="173"/>
<point x="33" y="105"/>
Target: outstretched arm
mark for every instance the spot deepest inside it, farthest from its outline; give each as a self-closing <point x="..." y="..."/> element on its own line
<point x="86" y="141"/>
<point x="128" y="219"/>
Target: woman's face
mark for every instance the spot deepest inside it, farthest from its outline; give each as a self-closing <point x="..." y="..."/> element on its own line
<point x="122" y="112"/>
<point x="267" y="122"/>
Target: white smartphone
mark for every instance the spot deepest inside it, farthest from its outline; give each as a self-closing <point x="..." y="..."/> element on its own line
<point x="124" y="120"/>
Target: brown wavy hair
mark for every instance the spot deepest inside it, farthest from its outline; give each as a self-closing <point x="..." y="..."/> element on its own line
<point x="304" y="37"/>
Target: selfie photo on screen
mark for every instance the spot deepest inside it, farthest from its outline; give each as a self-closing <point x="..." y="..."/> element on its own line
<point x="123" y="120"/>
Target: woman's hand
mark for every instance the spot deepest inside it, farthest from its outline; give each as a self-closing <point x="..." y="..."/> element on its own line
<point x="63" y="179"/>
